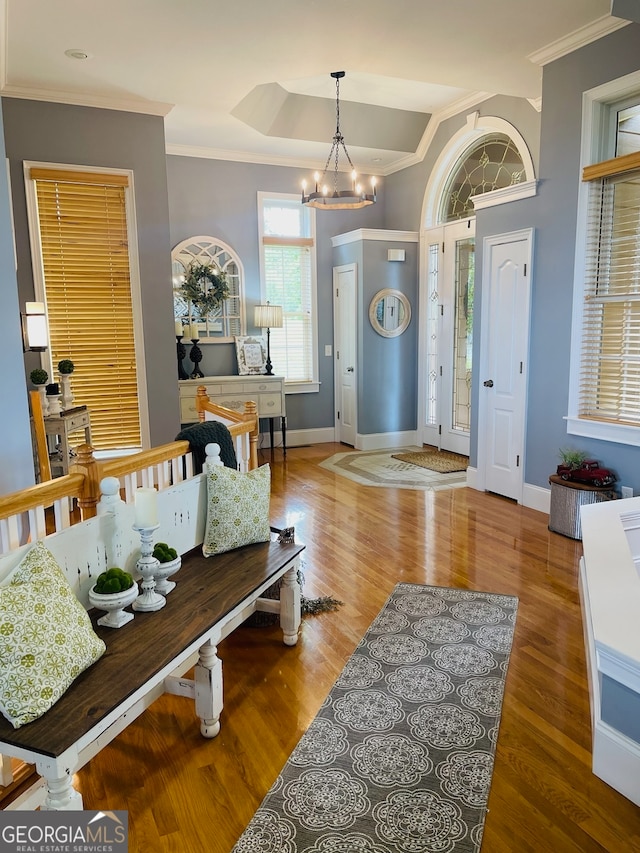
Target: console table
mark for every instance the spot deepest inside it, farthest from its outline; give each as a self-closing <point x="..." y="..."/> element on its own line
<point x="61" y="426"/>
<point x="267" y="392"/>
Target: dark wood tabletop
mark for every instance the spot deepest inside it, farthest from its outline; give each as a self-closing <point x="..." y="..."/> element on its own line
<point x="207" y="589"/>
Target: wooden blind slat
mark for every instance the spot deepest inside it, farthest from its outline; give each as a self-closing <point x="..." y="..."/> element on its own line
<point x="68" y="176"/>
<point x="85" y="256"/>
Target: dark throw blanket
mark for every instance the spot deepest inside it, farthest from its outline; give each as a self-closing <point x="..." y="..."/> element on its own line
<point x="209" y="432"/>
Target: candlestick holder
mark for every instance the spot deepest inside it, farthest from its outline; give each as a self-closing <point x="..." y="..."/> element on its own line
<point x="181" y="352"/>
<point x="196" y="357"/>
<point x="147" y="565"/>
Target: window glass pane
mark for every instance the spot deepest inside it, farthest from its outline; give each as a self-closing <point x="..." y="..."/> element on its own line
<point x="628" y="131"/>
<point x="288" y="275"/>
<point x="490" y="164"/>
<point x="463" y="340"/>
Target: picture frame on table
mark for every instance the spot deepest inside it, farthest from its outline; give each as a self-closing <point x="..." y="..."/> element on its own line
<point x="251" y="352"/>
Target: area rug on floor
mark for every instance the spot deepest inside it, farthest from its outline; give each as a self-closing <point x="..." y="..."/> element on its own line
<point x="442" y="461"/>
<point x="400" y="756"/>
<point x="379" y="468"/>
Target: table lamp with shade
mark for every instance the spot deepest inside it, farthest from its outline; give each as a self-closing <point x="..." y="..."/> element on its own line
<point x="268" y="317"/>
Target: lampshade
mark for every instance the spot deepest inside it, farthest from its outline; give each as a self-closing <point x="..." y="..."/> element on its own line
<point x="34" y="327"/>
<point x="268" y="316"/>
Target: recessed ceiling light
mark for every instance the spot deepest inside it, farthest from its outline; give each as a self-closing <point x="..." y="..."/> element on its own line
<point x="76" y="53"/>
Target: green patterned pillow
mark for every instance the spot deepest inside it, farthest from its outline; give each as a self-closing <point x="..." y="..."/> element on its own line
<point x="237" y="508"/>
<point x="46" y="638"/>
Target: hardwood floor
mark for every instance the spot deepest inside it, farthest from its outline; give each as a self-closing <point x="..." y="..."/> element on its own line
<point x="184" y="793"/>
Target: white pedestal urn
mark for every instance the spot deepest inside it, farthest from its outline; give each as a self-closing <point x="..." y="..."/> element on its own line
<point x="41" y="388"/>
<point x="54" y="405"/>
<point x="67" y="393"/>
<point x="114" y="603"/>
<point x="164" y="571"/>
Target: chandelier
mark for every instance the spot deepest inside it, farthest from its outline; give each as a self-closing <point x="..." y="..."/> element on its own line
<point x="321" y="197"/>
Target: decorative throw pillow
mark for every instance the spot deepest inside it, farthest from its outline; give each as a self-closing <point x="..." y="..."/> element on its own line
<point x="46" y="638"/>
<point x="237" y="508"/>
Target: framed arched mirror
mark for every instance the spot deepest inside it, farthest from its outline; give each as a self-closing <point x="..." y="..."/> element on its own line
<point x="389" y="312"/>
<point x="227" y="320"/>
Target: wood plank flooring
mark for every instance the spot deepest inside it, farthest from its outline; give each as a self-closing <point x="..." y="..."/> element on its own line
<point x="184" y="793"/>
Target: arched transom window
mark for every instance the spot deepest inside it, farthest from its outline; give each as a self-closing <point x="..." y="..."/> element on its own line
<point x="491" y="163"/>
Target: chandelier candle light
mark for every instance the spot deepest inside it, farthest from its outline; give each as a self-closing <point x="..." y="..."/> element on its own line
<point x="352" y="199"/>
<point x="268" y="317"/>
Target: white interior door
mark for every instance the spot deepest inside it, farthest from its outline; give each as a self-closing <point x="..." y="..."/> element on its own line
<point x="504" y="363"/>
<point x="344" y="306"/>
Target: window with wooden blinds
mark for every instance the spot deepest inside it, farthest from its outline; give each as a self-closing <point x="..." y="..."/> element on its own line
<point x="83" y="235"/>
<point x="610" y="363"/>
<point x="288" y="279"/>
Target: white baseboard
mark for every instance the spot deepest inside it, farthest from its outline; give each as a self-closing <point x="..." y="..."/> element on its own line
<point x="616" y="760"/>
<point x="472" y="478"/>
<point x="299" y="437"/>
<point x="536" y="497"/>
<point x="384" y="440"/>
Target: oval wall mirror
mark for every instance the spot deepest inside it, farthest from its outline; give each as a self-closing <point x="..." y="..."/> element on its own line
<point x="389" y="312"/>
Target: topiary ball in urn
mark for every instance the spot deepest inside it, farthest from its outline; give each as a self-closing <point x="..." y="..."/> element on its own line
<point x="66" y="368"/>
<point x="39" y="376"/>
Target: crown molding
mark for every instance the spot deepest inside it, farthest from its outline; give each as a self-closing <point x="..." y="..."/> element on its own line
<point x="536" y="103"/>
<point x="246" y="157"/>
<point x="454" y="108"/>
<point x="578" y="38"/>
<point x="375" y="234"/>
<point x="156" y="108"/>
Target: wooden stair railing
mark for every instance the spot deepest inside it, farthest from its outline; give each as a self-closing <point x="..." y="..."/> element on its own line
<point x="239" y="424"/>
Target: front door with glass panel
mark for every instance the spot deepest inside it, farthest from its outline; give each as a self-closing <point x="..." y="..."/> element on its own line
<point x="459" y="269"/>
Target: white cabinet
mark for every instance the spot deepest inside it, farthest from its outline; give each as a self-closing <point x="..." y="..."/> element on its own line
<point x="267" y="392"/>
<point x="610" y="598"/>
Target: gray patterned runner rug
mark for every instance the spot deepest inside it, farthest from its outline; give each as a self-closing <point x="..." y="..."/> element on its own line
<point x="400" y="756"/>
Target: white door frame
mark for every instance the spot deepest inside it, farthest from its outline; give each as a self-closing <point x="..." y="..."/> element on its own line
<point x="337" y="346"/>
<point x="488" y="243"/>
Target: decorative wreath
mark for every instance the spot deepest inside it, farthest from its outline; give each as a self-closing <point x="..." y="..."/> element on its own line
<point x="205" y="287"/>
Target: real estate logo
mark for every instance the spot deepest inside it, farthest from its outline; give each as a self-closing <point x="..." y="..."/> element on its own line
<point x="64" y="832"/>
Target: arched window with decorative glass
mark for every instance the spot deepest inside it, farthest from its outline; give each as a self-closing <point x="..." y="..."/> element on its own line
<point x="203" y="267"/>
<point x="491" y="163"/>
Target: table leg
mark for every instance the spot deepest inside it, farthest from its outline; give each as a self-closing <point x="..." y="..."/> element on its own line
<point x="271" y="433"/>
<point x="284" y="436"/>
<point x="208" y="684"/>
<point x="62" y="796"/>
<point x="290" y="606"/>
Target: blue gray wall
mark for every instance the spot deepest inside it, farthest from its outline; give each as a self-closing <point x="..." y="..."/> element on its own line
<point x="220" y="199"/>
<point x="180" y="197"/>
<point x="16" y="454"/>
<point x="387" y="370"/>
<point x="60" y="133"/>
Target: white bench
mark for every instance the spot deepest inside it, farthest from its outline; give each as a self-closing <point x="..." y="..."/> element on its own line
<point x="151" y="654"/>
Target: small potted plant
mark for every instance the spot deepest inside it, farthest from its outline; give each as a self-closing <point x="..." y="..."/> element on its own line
<point x="65" y="369"/>
<point x="114" y="590"/>
<point x="169" y="563"/>
<point x="39" y="377"/>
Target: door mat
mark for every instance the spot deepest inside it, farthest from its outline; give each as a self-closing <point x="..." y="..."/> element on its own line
<point x="442" y="461"/>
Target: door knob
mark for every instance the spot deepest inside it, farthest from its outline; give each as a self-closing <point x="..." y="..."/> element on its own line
<point x="488" y="383"/>
<point x="349" y="369"/>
